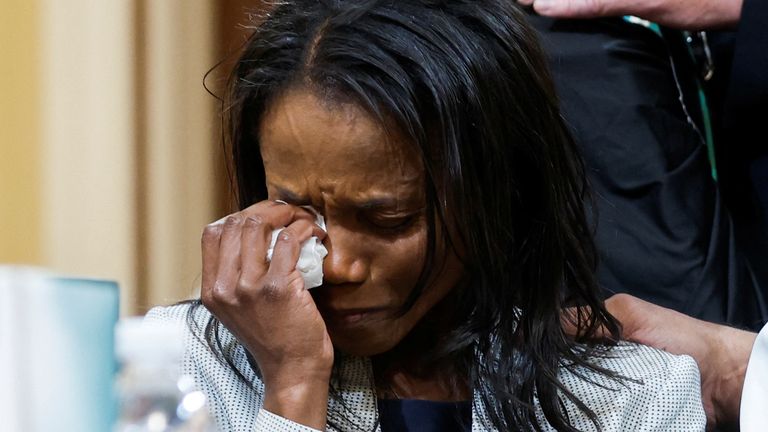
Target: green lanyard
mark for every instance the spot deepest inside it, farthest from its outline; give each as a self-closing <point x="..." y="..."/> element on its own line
<point x="706" y="119"/>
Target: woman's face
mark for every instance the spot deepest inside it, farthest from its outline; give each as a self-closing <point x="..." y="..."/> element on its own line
<point x="370" y="190"/>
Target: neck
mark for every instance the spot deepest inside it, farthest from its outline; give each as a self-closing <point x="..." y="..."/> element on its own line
<point x="441" y="388"/>
<point x="415" y="369"/>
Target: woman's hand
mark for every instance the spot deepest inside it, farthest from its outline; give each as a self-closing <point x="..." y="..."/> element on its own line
<point x="266" y="306"/>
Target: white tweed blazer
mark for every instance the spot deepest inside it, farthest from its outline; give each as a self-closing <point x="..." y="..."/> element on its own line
<point x="667" y="396"/>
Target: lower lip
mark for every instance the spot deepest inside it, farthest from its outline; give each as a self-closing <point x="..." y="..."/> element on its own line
<point x="350" y="318"/>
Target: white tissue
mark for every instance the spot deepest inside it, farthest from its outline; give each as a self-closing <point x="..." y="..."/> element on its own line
<point x="310" y="263"/>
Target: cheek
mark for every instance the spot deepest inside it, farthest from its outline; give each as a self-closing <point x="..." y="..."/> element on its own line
<point x="403" y="270"/>
<point x="399" y="264"/>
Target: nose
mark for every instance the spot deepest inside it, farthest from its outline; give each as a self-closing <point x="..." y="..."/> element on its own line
<point x="345" y="263"/>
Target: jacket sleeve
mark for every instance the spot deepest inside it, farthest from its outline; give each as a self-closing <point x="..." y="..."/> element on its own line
<point x="754" y="398"/>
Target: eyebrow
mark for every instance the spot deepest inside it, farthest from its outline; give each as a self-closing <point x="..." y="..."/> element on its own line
<point x="377" y="203"/>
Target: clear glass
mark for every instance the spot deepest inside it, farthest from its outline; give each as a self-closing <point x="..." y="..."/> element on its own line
<point x="155" y="398"/>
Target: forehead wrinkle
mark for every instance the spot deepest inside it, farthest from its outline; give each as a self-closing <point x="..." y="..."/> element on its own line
<point x="399" y="195"/>
<point x="403" y="160"/>
<point x="292" y="124"/>
<point x="306" y="159"/>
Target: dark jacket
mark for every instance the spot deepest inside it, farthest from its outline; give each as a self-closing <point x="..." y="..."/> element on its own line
<point x="663" y="230"/>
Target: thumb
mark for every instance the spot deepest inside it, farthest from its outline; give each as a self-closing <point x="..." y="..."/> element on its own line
<point x="578" y="8"/>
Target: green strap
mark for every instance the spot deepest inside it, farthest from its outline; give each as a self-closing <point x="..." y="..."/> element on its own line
<point x="706" y="118"/>
<point x="645" y="23"/>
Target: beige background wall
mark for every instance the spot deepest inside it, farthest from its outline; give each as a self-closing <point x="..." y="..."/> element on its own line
<point x="110" y="161"/>
<point x="19" y="132"/>
<point x="88" y="160"/>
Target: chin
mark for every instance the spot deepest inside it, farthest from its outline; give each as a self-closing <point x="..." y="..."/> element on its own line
<point x="362" y="344"/>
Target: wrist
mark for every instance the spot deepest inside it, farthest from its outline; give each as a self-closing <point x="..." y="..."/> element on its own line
<point x="299" y="398"/>
<point x="734" y="347"/>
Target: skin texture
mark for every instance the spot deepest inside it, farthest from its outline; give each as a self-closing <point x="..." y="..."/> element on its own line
<point x="369" y="187"/>
<point x="253" y="298"/>
<point x="681" y="14"/>
<point x="370" y="191"/>
<point x="721" y="352"/>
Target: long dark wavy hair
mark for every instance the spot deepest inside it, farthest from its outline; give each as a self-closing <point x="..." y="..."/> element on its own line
<point x="466" y="83"/>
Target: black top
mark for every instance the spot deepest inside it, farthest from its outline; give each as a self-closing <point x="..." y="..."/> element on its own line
<point x="424" y="416"/>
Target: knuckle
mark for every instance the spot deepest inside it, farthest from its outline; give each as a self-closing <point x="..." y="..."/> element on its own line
<point x="211" y="232"/>
<point x="254" y="222"/>
<point x="232" y="222"/>
<point x="206" y="297"/>
<point x="620" y="296"/>
<point x="620" y="305"/>
<point x="220" y="294"/>
<point x="623" y="299"/>
<point x="286" y="236"/>
<point x="245" y="287"/>
<point x="296" y="283"/>
<point x="306" y="215"/>
<point x="271" y="291"/>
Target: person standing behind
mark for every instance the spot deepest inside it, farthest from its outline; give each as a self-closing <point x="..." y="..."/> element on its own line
<point x="733" y="362"/>
<point x="662" y="227"/>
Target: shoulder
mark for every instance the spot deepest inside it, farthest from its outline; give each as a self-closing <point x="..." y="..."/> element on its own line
<point x="654" y="390"/>
<point x="234" y="400"/>
<point x="178" y="313"/>
<point x="196" y="323"/>
<point x="650" y="365"/>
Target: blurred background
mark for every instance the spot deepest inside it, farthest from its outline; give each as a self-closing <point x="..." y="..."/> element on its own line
<point x="110" y="152"/>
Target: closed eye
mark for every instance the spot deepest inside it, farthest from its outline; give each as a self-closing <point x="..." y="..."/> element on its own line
<point x="392" y="224"/>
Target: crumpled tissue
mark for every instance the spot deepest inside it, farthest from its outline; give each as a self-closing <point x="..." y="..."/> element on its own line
<point x="310" y="263"/>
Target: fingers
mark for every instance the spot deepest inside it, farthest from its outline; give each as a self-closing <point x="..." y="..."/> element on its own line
<point x="228" y="269"/>
<point x="256" y="236"/>
<point x="234" y="248"/>
<point x="210" y="252"/>
<point x="288" y="245"/>
<point x="276" y="214"/>
<point x="575" y="319"/>
<point x="211" y="246"/>
<point x="632" y="312"/>
<point x="628" y="310"/>
<point x="577" y="8"/>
